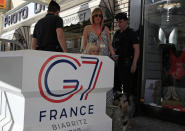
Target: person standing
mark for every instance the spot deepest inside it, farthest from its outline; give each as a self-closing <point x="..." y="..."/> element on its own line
<point x="126" y="46"/>
<point x="97" y="33"/>
<point x="48" y="34"/>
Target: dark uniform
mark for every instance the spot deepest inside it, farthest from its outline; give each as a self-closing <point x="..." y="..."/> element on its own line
<point x="123" y="45"/>
<point x="45" y="33"/>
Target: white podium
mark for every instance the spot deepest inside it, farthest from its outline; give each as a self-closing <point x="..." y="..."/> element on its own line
<point x="51" y="91"/>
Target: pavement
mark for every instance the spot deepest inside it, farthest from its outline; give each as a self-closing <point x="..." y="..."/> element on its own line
<point x="143" y="123"/>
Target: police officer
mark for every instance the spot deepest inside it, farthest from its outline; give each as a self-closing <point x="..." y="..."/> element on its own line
<point x="48" y="34"/>
<point x="126" y="45"/>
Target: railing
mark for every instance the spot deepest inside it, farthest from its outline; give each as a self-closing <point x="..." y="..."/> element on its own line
<point x="3" y="42"/>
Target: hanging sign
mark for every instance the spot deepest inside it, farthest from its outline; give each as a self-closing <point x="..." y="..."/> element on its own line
<point x="27" y="12"/>
<point x="2" y="4"/>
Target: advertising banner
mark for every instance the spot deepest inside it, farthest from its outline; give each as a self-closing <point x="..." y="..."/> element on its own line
<point x="49" y="91"/>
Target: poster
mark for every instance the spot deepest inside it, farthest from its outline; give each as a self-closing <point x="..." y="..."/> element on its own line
<point x="152" y="92"/>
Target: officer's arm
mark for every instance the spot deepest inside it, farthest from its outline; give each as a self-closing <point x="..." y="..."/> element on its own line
<point x="61" y="39"/>
<point x="136" y="53"/>
<point x="109" y="42"/>
<point x="136" y="57"/>
<point x="34" y="43"/>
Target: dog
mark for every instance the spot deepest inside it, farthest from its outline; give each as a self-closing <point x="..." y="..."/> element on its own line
<point x="123" y="111"/>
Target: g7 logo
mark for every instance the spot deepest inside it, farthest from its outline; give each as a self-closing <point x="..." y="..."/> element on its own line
<point x="73" y="86"/>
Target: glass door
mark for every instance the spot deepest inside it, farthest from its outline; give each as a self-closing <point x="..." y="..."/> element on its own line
<point x="163" y="81"/>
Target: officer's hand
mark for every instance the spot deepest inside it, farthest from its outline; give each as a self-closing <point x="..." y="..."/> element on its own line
<point x="133" y="68"/>
<point x="115" y="57"/>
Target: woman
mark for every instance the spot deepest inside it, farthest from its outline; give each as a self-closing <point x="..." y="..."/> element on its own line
<point x="98" y="33"/>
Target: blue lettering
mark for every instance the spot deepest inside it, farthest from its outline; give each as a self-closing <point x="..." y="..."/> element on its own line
<point x="63" y="125"/>
<point x="25" y="12"/>
<point x="91" y="107"/>
<point x="37" y="8"/>
<point x="19" y="14"/>
<point x="42" y="115"/>
<point x="72" y="111"/>
<point x="76" y="111"/>
<point x="77" y="123"/>
<point x="80" y="122"/>
<point x="53" y="114"/>
<point x="81" y="110"/>
<point x="73" y="123"/>
<point x="58" y="126"/>
<point x="63" y="113"/>
<point x="68" y="124"/>
<point x="54" y="127"/>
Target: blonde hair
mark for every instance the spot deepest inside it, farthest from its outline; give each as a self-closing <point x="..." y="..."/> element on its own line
<point x="93" y="13"/>
<point x="92" y="46"/>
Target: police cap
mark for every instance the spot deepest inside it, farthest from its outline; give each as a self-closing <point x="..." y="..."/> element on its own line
<point x="121" y="16"/>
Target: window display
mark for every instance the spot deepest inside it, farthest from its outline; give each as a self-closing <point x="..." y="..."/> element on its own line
<point x="164" y="53"/>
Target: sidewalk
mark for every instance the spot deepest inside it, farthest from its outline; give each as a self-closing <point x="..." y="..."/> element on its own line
<point x="142" y="123"/>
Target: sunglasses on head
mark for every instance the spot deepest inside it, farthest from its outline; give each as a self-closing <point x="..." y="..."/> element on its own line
<point x="98" y="15"/>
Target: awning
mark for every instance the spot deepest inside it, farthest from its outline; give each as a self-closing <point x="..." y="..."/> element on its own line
<point x="82" y="12"/>
<point x="58" y="1"/>
<point x="21" y="35"/>
<point x="40" y="1"/>
<point x="8" y="35"/>
<point x="76" y="14"/>
<point x="75" y="11"/>
<point x="72" y="12"/>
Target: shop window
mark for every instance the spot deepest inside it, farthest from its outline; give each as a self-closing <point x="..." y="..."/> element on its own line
<point x="73" y="45"/>
<point x="164" y="54"/>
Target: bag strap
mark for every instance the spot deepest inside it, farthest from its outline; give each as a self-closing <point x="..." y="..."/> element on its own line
<point x="101" y="31"/>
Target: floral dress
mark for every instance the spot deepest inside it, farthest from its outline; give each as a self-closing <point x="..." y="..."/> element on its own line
<point x="103" y="43"/>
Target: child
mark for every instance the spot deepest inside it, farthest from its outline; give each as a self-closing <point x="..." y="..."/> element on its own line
<point x="93" y="49"/>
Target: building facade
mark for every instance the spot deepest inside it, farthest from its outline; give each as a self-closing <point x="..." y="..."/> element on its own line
<point x="18" y="23"/>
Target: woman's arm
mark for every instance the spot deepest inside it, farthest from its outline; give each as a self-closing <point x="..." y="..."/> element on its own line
<point x="85" y="35"/>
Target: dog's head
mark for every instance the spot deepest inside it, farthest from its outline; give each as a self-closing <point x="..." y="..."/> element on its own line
<point x="120" y="99"/>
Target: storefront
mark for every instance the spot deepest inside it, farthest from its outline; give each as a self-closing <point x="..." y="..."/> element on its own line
<point x="77" y="17"/>
<point x="18" y="24"/>
<point x="163" y="63"/>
